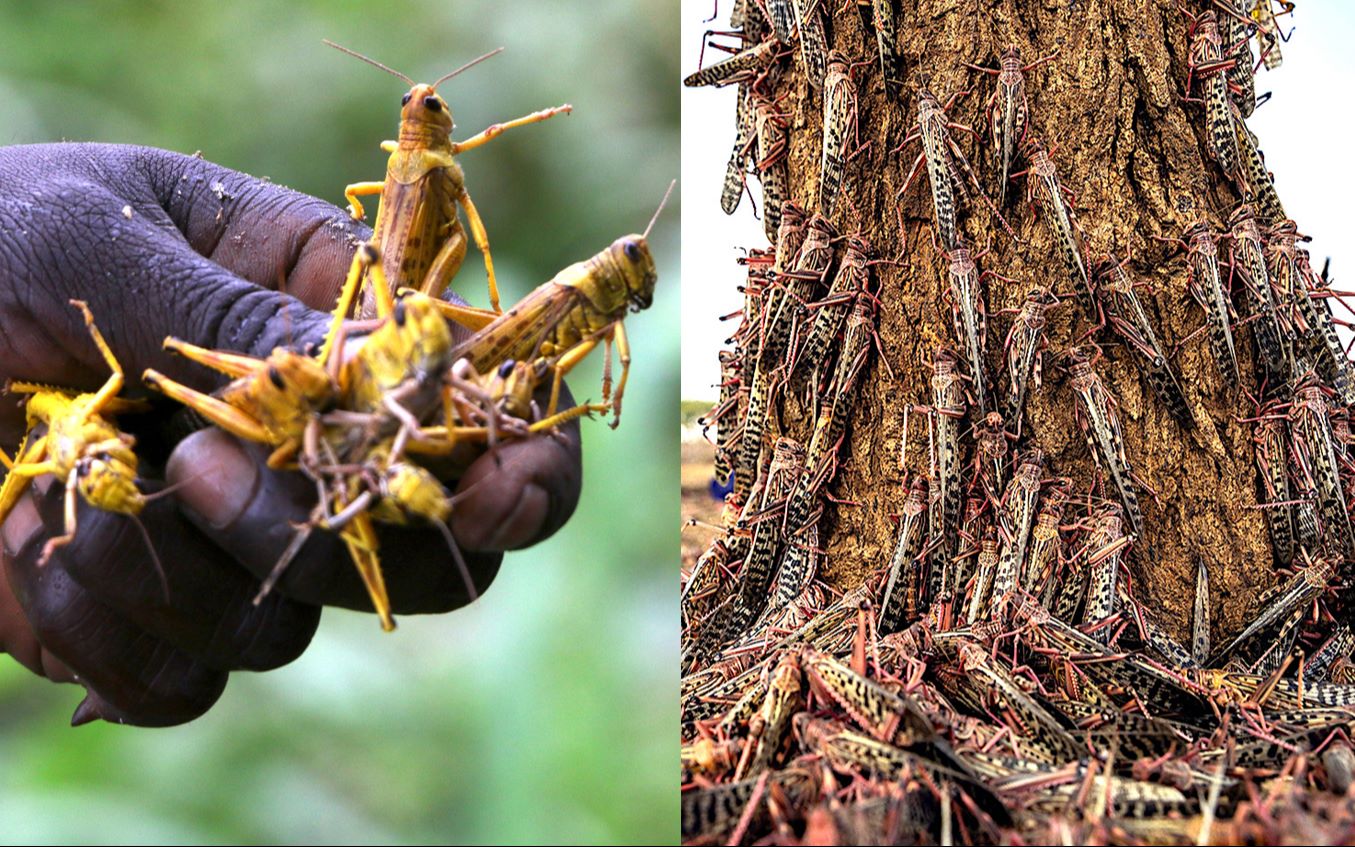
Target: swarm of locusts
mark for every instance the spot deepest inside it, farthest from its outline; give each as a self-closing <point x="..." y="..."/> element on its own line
<point x="997" y="679"/>
<point x="389" y="386"/>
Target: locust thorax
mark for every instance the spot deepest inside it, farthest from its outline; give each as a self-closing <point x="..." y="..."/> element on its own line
<point x="945" y="368"/>
<point x="109" y="483"/>
<point x="1242" y="222"/>
<point x="410" y="491"/>
<point x="857" y="251"/>
<point x="47" y="406"/>
<point x="790" y="235"/>
<point x="989" y="549"/>
<point x="1033" y="310"/>
<point x="1197" y="235"/>
<point x="1283" y="237"/>
<point x="928" y="107"/>
<point x="1110" y="271"/>
<point x="72" y="437"/>
<point x="1109" y="525"/>
<point x="1207" y="27"/>
<point x="1032" y="465"/>
<point x="1080" y="371"/>
<point x="413" y="343"/>
<point x="788" y="455"/>
<point x="961" y="262"/>
<point x="1033" y="150"/>
<point x="992" y="439"/>
<point x="425" y="119"/>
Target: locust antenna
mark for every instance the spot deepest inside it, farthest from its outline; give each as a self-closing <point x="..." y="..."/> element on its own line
<point x="467" y="580"/>
<point x="155" y="557"/>
<point x="356" y="55"/>
<point x="472" y="63"/>
<point x="662" y="203"/>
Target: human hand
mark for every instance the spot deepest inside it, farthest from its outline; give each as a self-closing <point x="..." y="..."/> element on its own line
<point x="160" y="244"/>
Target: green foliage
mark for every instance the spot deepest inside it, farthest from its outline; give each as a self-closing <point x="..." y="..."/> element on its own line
<point x="693" y="409"/>
<point x="545" y="712"/>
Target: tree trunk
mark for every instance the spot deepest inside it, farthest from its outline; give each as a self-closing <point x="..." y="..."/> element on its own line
<point x="1145" y="165"/>
<point x="1136" y="157"/>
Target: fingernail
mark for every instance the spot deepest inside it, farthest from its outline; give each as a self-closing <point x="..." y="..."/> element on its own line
<point x="23" y="520"/>
<point x="219" y="477"/>
<point x="86" y="712"/>
<point x="522" y="524"/>
<point x="55" y="669"/>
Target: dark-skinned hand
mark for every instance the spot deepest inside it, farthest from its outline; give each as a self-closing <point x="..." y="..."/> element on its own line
<point x="163" y="244"/>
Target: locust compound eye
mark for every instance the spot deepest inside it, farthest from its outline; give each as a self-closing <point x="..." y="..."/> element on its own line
<point x="275" y="377"/>
<point x="400" y="313"/>
<point x="404" y="101"/>
<point x="632" y="251"/>
<point x="506" y="368"/>
<point x="432" y="104"/>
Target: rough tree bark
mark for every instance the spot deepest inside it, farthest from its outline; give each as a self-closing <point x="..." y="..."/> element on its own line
<point x="1135" y="156"/>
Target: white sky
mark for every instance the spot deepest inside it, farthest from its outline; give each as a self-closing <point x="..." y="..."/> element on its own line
<point x="1307" y="131"/>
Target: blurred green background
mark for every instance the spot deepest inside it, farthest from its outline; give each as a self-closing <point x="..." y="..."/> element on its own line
<point x="547" y="710"/>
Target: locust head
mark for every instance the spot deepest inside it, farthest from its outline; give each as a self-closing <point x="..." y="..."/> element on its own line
<point x="408" y="353"/>
<point x="512" y="387"/>
<point x="635" y="269"/>
<point x="423" y="106"/>
<point x="108" y="482"/>
<point x="424" y="333"/>
<point x="1033" y="149"/>
<point x="1198" y="232"/>
<point x="633" y="264"/>
<point x="296" y="381"/>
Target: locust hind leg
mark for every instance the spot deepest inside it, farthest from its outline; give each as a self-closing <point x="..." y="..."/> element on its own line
<point x="219" y="412"/>
<point x="366" y="256"/>
<point x="448" y="261"/>
<point x="360" y="537"/>
<point x="376" y="278"/>
<point x="234" y="365"/>
<point x="20" y="471"/>
<point x="113" y="385"/>
<point x="564" y="365"/>
<point x="468" y="316"/>
<point x="352" y="192"/>
<point x="477" y="231"/>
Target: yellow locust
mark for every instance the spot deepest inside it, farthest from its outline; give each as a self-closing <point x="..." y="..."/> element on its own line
<point x="563" y="319"/>
<point x="417" y="229"/>
<point x="81" y="446"/>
